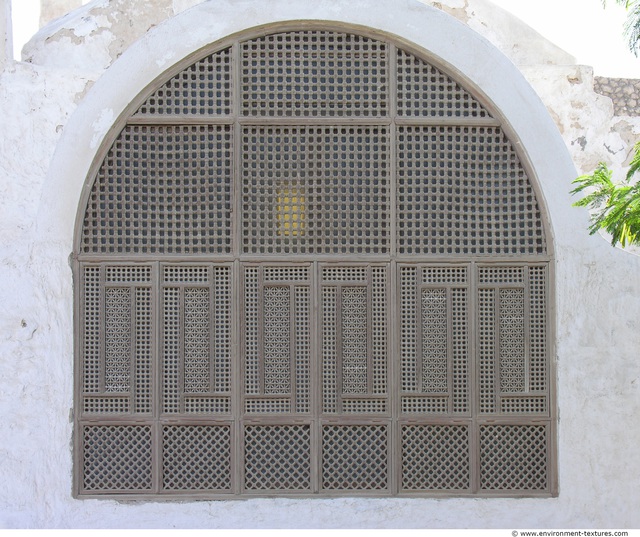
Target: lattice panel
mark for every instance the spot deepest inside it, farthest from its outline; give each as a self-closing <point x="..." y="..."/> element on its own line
<point x="106" y="405"/>
<point x="267" y="406"/>
<point x="335" y="176"/>
<point x="354" y="340"/>
<point x="355" y="457"/>
<point x="500" y="275"/>
<point x="277" y="457"/>
<point x="286" y="274"/>
<point x="424" y="91"/>
<point x="435" y="457"/>
<point x="513" y="457"/>
<point x="379" y="327"/>
<point x="538" y="328"/>
<point x="364" y="406"/>
<point x="207" y="405"/>
<point x="196" y="338"/>
<point x="462" y="190"/>
<point x="408" y="328"/>
<point x="196" y="458"/>
<point x="434" y="341"/>
<point x="444" y="275"/>
<point x="314" y="73"/>
<point x="116" y="458"/>
<point x="487" y="349"/>
<point x="186" y="274"/>
<point x="303" y="349"/>
<point x="354" y="333"/>
<point x="161" y="190"/>
<point x="512" y="341"/>
<point x="251" y="331"/>
<point x="118" y="340"/>
<point x="358" y="274"/>
<point x="144" y="349"/>
<point x="434" y="405"/>
<point x="171" y="350"/>
<point x="197" y="376"/>
<point x="329" y="349"/>
<point x="127" y="274"/>
<point x="460" y="347"/>
<point x="524" y="405"/>
<point x="235" y="259"/>
<point x="92" y="326"/>
<point x="222" y="316"/>
<point x="277" y="340"/>
<point x="202" y="89"/>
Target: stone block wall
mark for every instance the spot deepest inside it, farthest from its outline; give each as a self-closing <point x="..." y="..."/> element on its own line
<point x="624" y="92"/>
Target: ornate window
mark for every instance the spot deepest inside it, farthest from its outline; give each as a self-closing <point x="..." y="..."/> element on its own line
<point x="312" y="263"/>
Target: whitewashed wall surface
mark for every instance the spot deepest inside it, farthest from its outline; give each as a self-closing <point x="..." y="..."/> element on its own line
<point x="76" y="77"/>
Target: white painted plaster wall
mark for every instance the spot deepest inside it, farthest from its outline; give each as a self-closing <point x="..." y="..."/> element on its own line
<point x="78" y="78"/>
<point x="6" y="34"/>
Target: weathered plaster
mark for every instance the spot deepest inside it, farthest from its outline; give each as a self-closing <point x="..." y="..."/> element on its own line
<point x="53" y="130"/>
<point x="52" y="9"/>
<point x="6" y="34"/>
<point x="104" y="28"/>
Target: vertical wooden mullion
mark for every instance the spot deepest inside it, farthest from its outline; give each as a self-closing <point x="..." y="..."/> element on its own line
<point x="473" y="386"/>
<point x="392" y="140"/>
<point x="315" y="373"/>
<point x="156" y="376"/>
<point x="238" y="313"/>
<point x="80" y="308"/>
<point x="393" y="385"/>
<point x="237" y="356"/>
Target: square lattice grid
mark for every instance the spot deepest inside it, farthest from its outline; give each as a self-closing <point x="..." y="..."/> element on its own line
<point x="314" y="73"/>
<point x="161" y="190"/>
<point x="341" y="172"/>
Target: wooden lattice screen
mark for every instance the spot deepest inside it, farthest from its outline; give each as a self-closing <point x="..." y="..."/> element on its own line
<point x="311" y="263"/>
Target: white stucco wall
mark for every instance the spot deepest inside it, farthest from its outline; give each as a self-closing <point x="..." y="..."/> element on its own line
<point x="6" y="34"/>
<point x="80" y="75"/>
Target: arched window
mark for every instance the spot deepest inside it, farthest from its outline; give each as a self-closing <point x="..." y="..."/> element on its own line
<point x="312" y="263"/>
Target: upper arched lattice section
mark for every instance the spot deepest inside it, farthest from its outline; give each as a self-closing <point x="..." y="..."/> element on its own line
<point x="320" y="142"/>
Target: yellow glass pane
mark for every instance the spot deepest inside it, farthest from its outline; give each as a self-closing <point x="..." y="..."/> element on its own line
<point x="291" y="212"/>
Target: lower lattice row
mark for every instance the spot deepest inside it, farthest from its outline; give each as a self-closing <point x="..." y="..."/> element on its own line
<point x="280" y="458"/>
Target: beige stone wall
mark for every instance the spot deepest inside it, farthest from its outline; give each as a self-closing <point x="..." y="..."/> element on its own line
<point x="624" y="92"/>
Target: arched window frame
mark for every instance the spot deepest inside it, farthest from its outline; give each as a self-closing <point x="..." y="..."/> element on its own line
<point x="233" y="262"/>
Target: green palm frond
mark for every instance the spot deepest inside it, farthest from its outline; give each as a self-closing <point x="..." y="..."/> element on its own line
<point x="632" y="24"/>
<point x="615" y="206"/>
